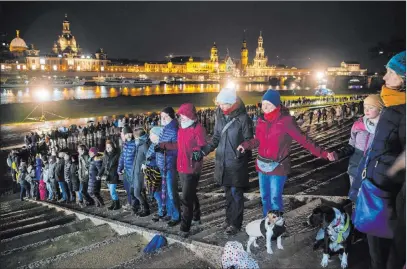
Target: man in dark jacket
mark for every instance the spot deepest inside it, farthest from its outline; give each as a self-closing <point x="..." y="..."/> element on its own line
<point x="232" y="127"/>
<point x="60" y="177"/>
<point x="137" y="176"/>
<point x="83" y="174"/>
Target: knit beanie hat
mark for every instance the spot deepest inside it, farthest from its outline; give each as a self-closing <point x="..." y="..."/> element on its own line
<point x="398" y="64"/>
<point x="156" y="130"/>
<point x="169" y="111"/>
<point x="273" y="97"/>
<point x="188" y="110"/>
<point x="374" y="100"/>
<point x="226" y="96"/>
<point x="94" y="150"/>
<point x="127" y="130"/>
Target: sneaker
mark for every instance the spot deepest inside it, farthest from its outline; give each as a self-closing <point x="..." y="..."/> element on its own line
<point x="173" y="223"/>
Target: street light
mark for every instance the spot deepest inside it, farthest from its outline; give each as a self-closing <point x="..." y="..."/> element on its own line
<point x="320" y="75"/>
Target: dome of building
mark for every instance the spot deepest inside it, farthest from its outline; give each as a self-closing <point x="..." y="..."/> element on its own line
<point x="18" y="44"/>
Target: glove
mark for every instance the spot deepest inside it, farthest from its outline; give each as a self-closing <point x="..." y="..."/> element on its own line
<point x="98" y="178"/>
<point x="158" y="149"/>
<point x="197" y="156"/>
<point x="143" y="167"/>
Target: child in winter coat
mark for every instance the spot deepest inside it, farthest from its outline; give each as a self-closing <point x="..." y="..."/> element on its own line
<point x="362" y="135"/>
<point x="152" y="174"/>
<point x="95" y="165"/>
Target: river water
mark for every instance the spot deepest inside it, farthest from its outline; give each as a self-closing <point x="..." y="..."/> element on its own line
<point x="44" y="94"/>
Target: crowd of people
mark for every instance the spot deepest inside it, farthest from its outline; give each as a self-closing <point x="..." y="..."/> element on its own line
<point x="152" y="153"/>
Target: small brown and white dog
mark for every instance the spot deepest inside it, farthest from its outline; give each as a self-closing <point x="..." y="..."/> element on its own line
<point x="272" y="227"/>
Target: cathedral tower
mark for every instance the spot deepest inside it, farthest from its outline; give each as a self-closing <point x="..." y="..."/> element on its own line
<point x="244" y="53"/>
<point x="214" y="53"/>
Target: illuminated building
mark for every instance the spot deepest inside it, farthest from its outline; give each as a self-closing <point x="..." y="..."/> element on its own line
<point x="66" y="44"/>
<point x="347" y="69"/>
<point x="244" y="54"/>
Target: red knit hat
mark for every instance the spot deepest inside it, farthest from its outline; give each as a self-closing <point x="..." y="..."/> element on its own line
<point x="188" y="110"/>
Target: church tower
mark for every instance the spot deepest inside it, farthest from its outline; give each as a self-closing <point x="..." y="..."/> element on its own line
<point x="214" y="53"/>
<point x="260" y="61"/>
<point x="244" y="54"/>
<point x="65" y="25"/>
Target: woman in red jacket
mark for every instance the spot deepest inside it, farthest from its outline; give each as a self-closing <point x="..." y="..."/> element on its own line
<point x="191" y="145"/>
<point x="275" y="130"/>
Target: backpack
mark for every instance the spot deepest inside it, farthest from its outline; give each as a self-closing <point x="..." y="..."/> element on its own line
<point x="156" y="243"/>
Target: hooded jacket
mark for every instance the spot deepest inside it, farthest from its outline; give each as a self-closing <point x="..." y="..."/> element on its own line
<point x="190" y="139"/>
<point x="139" y="159"/>
<point x="362" y="135"/>
<point x="274" y="140"/>
<point x="83" y="171"/>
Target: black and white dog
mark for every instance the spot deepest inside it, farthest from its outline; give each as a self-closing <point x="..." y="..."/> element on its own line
<point x="272" y="227"/>
<point x="334" y="233"/>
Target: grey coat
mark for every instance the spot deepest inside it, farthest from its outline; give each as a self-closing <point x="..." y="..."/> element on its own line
<point x="139" y="159"/>
<point x="83" y="171"/>
<point x="231" y="167"/>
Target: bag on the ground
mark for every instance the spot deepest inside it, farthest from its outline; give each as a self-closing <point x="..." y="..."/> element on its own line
<point x="156" y="243"/>
<point x="234" y="256"/>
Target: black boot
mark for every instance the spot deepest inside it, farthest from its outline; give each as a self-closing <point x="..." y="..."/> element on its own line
<point x="136" y="209"/>
<point x="112" y="205"/>
<point x="116" y="205"/>
<point x="145" y="210"/>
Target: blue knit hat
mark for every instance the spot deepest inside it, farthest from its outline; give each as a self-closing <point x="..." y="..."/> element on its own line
<point x="273" y="97"/>
<point x="398" y="64"/>
<point x="156" y="130"/>
<point x="226" y="96"/>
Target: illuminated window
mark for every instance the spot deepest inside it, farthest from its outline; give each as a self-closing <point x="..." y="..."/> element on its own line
<point x="2" y="67"/>
<point x="102" y="68"/>
<point x="24" y="67"/>
<point x="42" y="61"/>
<point x="55" y="67"/>
<point x="78" y="68"/>
<point x="34" y="67"/>
<point x="18" y="67"/>
<point x="42" y="67"/>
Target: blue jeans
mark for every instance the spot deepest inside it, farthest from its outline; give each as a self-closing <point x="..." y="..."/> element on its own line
<point x="62" y="186"/>
<point x="80" y="196"/>
<point x="172" y="198"/>
<point x="113" y="193"/>
<point x="50" y="191"/>
<point x="271" y="191"/>
<point x="157" y="197"/>
<point x="23" y="191"/>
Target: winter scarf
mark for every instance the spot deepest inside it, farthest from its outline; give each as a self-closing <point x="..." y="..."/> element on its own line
<point x="370" y="126"/>
<point x="273" y="114"/>
<point x="392" y="97"/>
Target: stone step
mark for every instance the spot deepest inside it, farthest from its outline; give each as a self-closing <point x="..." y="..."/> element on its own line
<point x="126" y="248"/>
<point x="26" y="214"/>
<point x="30" y="220"/>
<point x="16" y="208"/>
<point x="171" y="256"/>
<point x="44" y="234"/>
<point x="37" y="226"/>
<point x="52" y="247"/>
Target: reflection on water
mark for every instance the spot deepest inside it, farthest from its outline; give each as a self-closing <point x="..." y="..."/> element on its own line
<point x="33" y="94"/>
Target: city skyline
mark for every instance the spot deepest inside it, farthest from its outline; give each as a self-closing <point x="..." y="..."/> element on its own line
<point x="151" y="37"/>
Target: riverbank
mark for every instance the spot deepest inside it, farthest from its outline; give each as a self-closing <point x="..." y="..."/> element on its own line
<point x="86" y="108"/>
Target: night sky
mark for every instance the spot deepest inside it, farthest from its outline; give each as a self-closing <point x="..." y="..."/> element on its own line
<point x="326" y="32"/>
